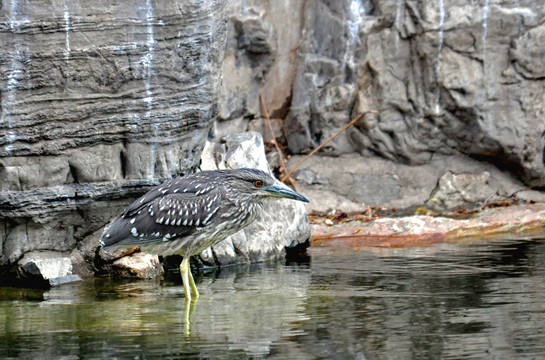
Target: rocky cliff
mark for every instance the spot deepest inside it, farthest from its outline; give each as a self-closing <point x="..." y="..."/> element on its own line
<point x="446" y="77"/>
<point x="98" y="102"/>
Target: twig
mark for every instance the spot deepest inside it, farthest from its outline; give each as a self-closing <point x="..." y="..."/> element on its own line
<point x="273" y="136"/>
<point x="487" y="200"/>
<point x="328" y="140"/>
<point x="531" y="187"/>
<point x="294" y="50"/>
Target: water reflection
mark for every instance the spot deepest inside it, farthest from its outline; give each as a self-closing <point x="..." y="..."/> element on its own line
<point x="441" y="302"/>
<point x="240" y="312"/>
<point x="447" y="301"/>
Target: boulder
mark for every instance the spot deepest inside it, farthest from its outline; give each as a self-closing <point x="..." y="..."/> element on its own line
<point x="46" y="268"/>
<point x="139" y="265"/>
<point x="454" y="190"/>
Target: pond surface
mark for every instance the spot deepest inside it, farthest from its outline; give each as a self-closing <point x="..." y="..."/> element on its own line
<point x="452" y="301"/>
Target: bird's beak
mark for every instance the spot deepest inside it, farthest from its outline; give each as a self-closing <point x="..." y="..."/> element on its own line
<point x="280" y="190"/>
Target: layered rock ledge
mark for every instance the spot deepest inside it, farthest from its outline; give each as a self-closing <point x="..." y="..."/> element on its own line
<point x="423" y="230"/>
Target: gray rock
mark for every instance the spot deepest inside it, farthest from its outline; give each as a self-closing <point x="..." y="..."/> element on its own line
<point x="260" y="58"/>
<point x="97" y="163"/>
<point x="351" y="182"/>
<point x="274" y="160"/>
<point x="462" y="79"/>
<point x="528" y="51"/>
<point x="325" y="85"/>
<point x="248" y="57"/>
<point x="261" y="126"/>
<point x="283" y="223"/>
<point x="459" y="189"/>
<point x="311" y="177"/>
<point x="373" y="190"/>
<point x="230" y="126"/>
<point x="240" y="150"/>
<point x="443" y="81"/>
<point x="30" y="236"/>
<point x="24" y="173"/>
<point x="46" y="268"/>
<point x="133" y="84"/>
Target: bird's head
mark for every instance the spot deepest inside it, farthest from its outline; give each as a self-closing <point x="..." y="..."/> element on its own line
<point x="257" y="185"/>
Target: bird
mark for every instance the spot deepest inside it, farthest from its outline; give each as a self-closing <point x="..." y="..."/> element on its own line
<point x="187" y="214"/>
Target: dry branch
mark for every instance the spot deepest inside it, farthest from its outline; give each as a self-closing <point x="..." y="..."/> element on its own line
<point x="328" y="140"/>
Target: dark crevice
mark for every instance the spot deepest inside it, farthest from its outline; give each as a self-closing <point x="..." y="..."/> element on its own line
<point x="123" y="161"/>
<point x="215" y="256"/>
<point x="298" y="253"/>
<point x="4" y="238"/>
<point x="283" y="111"/>
<point x="73" y="173"/>
<point x="239" y="252"/>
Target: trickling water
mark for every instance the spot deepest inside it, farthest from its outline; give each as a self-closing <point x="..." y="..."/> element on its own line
<point x="146" y="63"/>
<point x="14" y="72"/>
<point x="244" y="8"/>
<point x="485" y="23"/>
<point x="399" y="7"/>
<point x="438" y="57"/>
<point x="486" y="77"/>
<point x="67" y="28"/>
<point x="354" y="21"/>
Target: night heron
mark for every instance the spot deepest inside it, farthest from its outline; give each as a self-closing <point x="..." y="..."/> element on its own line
<point x="187" y="214"/>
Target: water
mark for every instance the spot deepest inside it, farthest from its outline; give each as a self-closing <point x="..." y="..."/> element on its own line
<point x="437" y="66"/>
<point x="400" y="4"/>
<point x="447" y="301"/>
<point x="147" y="68"/>
<point x="14" y="74"/>
<point x="356" y="13"/>
<point x="67" y="28"/>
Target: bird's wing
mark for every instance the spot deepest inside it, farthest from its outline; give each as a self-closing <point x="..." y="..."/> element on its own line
<point x="148" y="198"/>
<point x="165" y="217"/>
<point x="197" y="184"/>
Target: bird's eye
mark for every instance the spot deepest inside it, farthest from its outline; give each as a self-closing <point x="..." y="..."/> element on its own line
<point x="258" y="183"/>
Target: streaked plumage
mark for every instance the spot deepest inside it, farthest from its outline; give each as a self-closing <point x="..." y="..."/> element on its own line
<point x="187" y="214"/>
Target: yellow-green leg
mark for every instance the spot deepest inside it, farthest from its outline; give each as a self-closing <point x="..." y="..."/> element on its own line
<point x="192" y="283"/>
<point x="187" y="279"/>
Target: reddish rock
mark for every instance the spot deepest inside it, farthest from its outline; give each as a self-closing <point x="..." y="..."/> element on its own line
<point x="423" y="230"/>
<point x="137" y="265"/>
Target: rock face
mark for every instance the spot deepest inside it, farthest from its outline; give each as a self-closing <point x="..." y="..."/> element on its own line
<point x="447" y="77"/>
<point x="444" y="80"/>
<point x="361" y="182"/>
<point x="260" y="58"/>
<point x="99" y="102"/>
